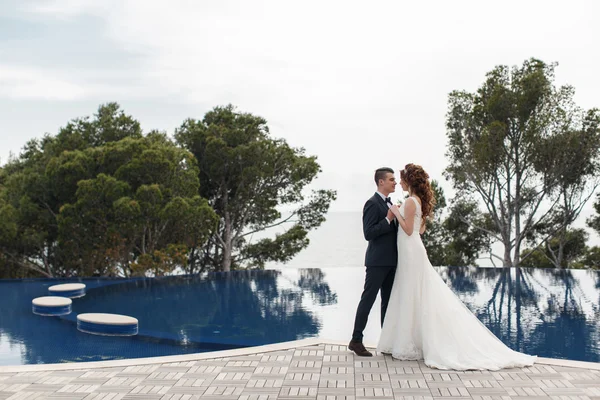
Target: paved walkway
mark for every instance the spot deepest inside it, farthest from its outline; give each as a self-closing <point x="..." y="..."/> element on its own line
<point x="312" y="371"/>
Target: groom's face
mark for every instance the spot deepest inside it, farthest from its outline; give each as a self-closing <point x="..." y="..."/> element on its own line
<point x="388" y="184"/>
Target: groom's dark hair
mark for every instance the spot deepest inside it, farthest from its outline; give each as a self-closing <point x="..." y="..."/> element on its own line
<point x="380" y="173"/>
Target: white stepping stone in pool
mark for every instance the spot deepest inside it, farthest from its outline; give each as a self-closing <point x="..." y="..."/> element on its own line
<point x="107" y="324"/>
<point x="51" y="305"/>
<point x="72" y="290"/>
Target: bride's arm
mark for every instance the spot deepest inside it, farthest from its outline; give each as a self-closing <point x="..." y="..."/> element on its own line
<point x="408" y="222"/>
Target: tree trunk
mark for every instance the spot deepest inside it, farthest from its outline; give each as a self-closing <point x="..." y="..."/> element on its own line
<point x="45" y="251"/>
<point x="518" y="304"/>
<point x="507" y="259"/>
<point x="509" y="308"/>
<point x="563" y="232"/>
<point x="27" y="265"/>
<point x="227" y="239"/>
<point x="516" y="207"/>
<point x="507" y="263"/>
<point x="561" y="248"/>
<point x="192" y="260"/>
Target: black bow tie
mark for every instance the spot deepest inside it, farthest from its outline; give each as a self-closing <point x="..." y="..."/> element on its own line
<point x="388" y="200"/>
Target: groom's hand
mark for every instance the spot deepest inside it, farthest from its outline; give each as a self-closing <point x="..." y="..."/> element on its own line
<point x="390" y="215"/>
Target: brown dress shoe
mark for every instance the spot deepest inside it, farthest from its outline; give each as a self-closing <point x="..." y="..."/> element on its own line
<point x="359" y="349"/>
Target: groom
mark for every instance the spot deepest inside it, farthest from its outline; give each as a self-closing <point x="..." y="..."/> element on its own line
<point x="380" y="229"/>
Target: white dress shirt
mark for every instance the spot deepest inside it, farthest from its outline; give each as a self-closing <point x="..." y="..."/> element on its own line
<point x="386" y="203"/>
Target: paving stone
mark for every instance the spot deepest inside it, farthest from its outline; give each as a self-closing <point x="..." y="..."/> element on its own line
<point x="321" y="372"/>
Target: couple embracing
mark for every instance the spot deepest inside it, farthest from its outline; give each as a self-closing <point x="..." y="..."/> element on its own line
<point x="422" y="319"/>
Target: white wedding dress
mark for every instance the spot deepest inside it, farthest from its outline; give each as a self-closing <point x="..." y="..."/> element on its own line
<point x="426" y="321"/>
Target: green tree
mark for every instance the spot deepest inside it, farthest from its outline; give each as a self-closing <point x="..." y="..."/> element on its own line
<point x="434" y="238"/>
<point x="591" y="258"/>
<point x="450" y="238"/>
<point x="594" y="221"/>
<point x="503" y="143"/>
<point x="138" y="215"/>
<point x="99" y="198"/>
<point x="573" y="159"/>
<point x="592" y="255"/>
<point x="572" y="245"/>
<point x="37" y="200"/>
<point x="465" y="242"/>
<point x="8" y="233"/>
<point x="110" y="124"/>
<point x="246" y="175"/>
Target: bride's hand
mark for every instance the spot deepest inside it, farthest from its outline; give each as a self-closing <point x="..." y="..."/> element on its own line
<point x="390" y="215"/>
<point x="394" y="209"/>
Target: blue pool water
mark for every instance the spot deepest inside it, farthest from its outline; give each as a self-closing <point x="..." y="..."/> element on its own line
<point x="550" y="313"/>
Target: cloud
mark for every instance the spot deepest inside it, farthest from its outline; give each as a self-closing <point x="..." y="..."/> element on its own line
<point x="62" y="9"/>
<point x="323" y="59"/>
<point x="29" y="83"/>
<point x="359" y="84"/>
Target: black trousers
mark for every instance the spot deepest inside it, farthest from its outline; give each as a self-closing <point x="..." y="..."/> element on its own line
<point x="377" y="278"/>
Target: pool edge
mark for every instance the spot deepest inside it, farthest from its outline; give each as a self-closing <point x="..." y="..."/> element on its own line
<point x="234" y="353"/>
<point x="162" y="359"/>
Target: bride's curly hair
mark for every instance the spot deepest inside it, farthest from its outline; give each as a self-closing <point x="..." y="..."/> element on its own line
<point x="418" y="181"/>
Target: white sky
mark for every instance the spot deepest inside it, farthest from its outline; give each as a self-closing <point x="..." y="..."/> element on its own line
<point x="359" y="84"/>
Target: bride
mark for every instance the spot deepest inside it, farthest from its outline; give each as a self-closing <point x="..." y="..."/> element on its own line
<point x="425" y="320"/>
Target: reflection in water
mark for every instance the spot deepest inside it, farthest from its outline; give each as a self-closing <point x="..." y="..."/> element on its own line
<point x="176" y="315"/>
<point x="240" y="308"/>
<point x="550" y="313"/>
<point x="312" y="281"/>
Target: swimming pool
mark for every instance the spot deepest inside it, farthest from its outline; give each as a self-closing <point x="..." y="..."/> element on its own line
<point x="551" y="313"/>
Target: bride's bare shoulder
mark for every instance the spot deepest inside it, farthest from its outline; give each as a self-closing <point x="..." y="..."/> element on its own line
<point x="416" y="199"/>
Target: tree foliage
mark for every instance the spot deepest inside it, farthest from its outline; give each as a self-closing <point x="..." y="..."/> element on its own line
<point x="572" y="245"/>
<point x="450" y="238"/>
<point x="591" y="259"/>
<point x="247" y="176"/>
<point x="594" y="221"/>
<point x="522" y="146"/>
<point x="102" y="198"/>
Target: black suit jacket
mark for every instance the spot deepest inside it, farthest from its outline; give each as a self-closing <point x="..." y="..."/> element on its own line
<point x="382" y="250"/>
